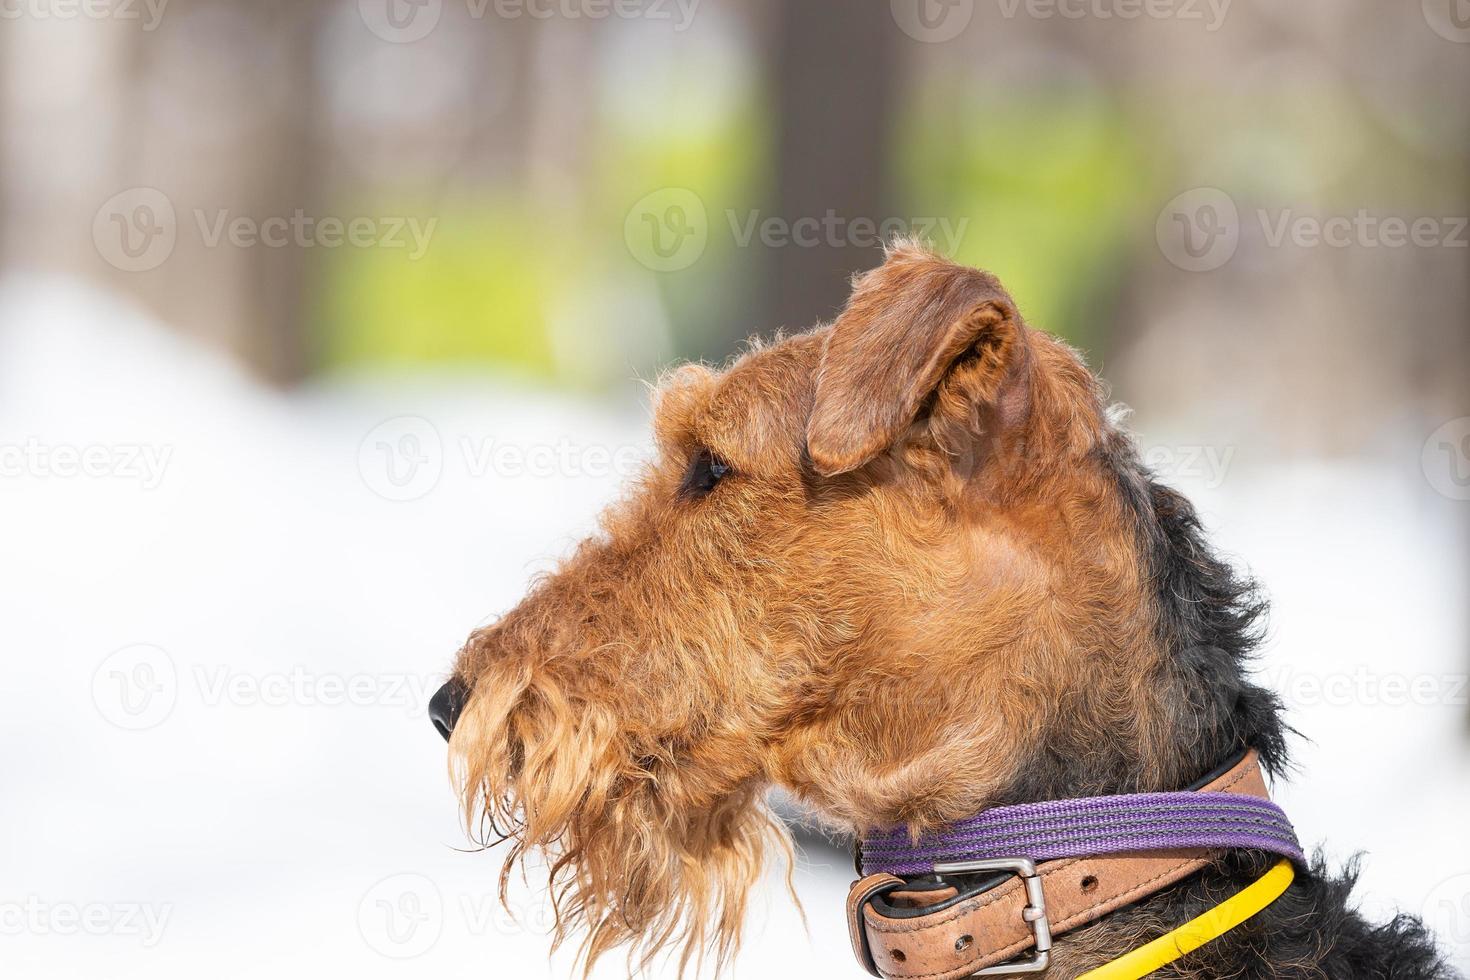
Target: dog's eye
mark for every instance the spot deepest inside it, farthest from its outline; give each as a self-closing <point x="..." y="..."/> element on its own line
<point x="705" y="471"/>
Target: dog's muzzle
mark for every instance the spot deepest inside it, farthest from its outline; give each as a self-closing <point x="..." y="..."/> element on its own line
<point x="446" y="704"/>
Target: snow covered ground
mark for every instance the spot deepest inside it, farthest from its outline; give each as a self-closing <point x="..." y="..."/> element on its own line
<point x="222" y="611"/>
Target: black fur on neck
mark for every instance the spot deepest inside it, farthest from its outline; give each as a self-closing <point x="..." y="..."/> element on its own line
<point x="1211" y="621"/>
<point x="1310" y="933"/>
<point x="1209" y="624"/>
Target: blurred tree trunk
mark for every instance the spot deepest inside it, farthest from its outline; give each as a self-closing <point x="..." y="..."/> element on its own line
<point x="834" y="79"/>
<point x="280" y="279"/>
<point x="224" y="102"/>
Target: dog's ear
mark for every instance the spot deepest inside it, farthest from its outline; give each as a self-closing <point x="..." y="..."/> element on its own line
<point x="917" y="331"/>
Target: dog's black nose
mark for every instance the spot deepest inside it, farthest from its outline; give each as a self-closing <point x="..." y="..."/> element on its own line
<point x="445" y="705"/>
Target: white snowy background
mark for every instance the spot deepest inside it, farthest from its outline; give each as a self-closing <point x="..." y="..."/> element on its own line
<point x="216" y="659"/>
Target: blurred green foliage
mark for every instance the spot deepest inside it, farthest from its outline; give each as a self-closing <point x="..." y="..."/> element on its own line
<point x="498" y="269"/>
<point x="477" y="294"/>
<point x="727" y="164"/>
<point x="1042" y="182"/>
<point x="1050" y="181"/>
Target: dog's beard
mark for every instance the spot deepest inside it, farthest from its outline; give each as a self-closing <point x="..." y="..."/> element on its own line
<point x="630" y="862"/>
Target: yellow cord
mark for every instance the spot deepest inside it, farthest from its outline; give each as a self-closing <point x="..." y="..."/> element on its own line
<point x="1196" y="932"/>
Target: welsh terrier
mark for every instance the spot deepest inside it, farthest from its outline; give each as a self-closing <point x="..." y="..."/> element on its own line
<point x="909" y="567"/>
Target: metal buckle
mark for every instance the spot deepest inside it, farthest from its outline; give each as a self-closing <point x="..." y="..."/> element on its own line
<point x="1034" y="913"/>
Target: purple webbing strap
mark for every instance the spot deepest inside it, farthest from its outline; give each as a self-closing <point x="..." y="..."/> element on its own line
<point x="1089" y="827"/>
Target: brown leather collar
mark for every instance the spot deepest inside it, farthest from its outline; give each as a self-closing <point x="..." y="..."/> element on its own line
<point x="1002" y="922"/>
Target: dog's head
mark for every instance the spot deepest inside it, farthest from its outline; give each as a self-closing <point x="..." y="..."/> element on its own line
<point x="883" y="564"/>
